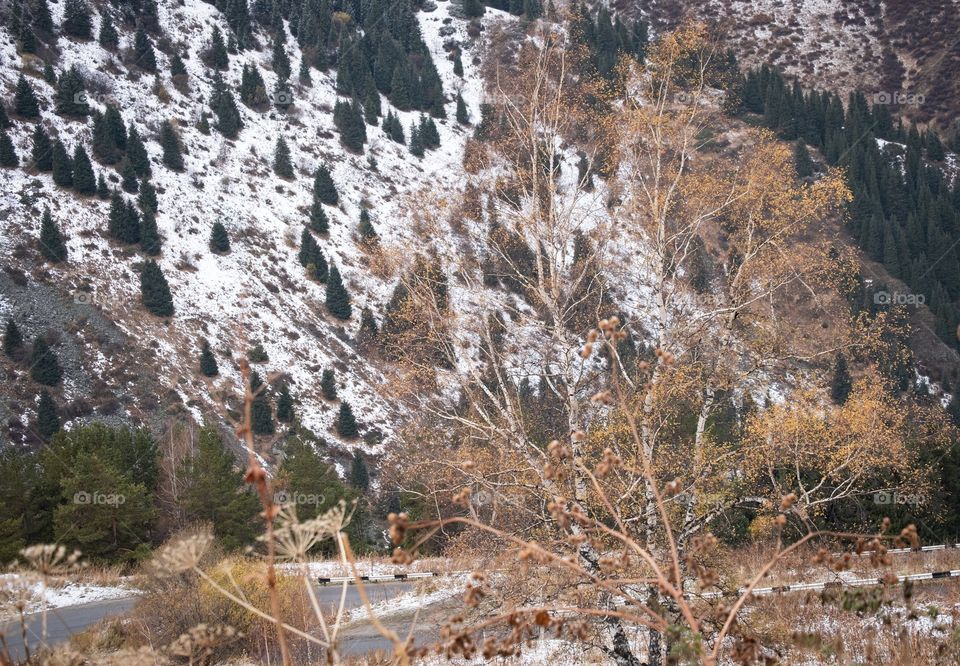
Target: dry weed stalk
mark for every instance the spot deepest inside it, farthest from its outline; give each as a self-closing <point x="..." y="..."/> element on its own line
<point x="285" y="538"/>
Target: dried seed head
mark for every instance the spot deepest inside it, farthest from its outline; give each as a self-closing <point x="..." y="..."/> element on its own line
<point x="787" y="501"/>
<point x="398" y="527"/>
<point x="51" y="559"/>
<point x="462" y="498"/>
<point x="202" y="639"/>
<point x="181" y="555"/>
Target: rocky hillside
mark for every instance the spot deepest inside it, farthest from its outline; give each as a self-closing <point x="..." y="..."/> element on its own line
<point x="887" y="48"/>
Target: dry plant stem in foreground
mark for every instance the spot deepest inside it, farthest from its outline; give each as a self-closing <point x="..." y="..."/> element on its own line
<point x="704" y="628"/>
<point x="257" y="476"/>
<point x="301" y="537"/>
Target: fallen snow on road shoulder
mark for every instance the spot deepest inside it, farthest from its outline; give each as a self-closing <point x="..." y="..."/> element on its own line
<point x="407" y="602"/>
<point x="60" y="596"/>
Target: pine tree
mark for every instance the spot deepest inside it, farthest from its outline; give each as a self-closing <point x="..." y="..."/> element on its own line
<point x="49" y="75"/>
<point x="52" y="246"/>
<point x="328" y="384"/>
<point x="177" y="67"/>
<point x="304" y="74"/>
<point x="8" y="154"/>
<point x="317" y="265"/>
<point x="208" y="363"/>
<point x="416" y="143"/>
<point x="70" y="98"/>
<point x="348" y="118"/>
<point x="149" y="234"/>
<point x="104" y="145"/>
<point x="115" y="127"/>
<point x="218" y="51"/>
<point x="359" y="476"/>
<point x="934" y="147"/>
<point x="280" y="61"/>
<point x="367" y="232"/>
<point x="62" y="165"/>
<point x="458" y="65"/>
<point x="148" y="197"/>
<point x="429" y="135"/>
<point x="396" y="129"/>
<point x="318" y="219"/>
<point x="41" y="17"/>
<point x="108" y="37"/>
<point x="261" y="414"/>
<point x="145" y="58"/>
<point x="84" y="180"/>
<point x="216" y="493"/>
<point x="229" y="122"/>
<point x="170" y="143"/>
<point x="801" y="160"/>
<point x="118" y="209"/>
<point x="369" y="332"/>
<point x="4" y="119"/>
<point x="257" y="354"/>
<point x="25" y="99"/>
<point x="12" y="338"/>
<point x="48" y="423"/>
<point x="219" y="239"/>
<point x="324" y="189"/>
<point x="371" y="107"/>
<point x="281" y="159"/>
<point x="346" y="424"/>
<point x="42" y="151"/>
<point x="128" y="178"/>
<point x="284" y="405"/>
<point x="76" y="19"/>
<point x="463" y="117"/>
<point x="102" y="530"/>
<point x="137" y="154"/>
<point x="27" y="42"/>
<point x="129" y="230"/>
<point x="400" y="84"/>
<point x="154" y="290"/>
<point x="103" y="192"/>
<point x="44" y="367"/>
<point x="338" y="300"/>
<point x="473" y="8"/>
<point x="841" y="384"/>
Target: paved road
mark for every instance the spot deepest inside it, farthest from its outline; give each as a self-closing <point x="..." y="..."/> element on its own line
<point x="65" y="622"/>
<point x="62" y="623"/>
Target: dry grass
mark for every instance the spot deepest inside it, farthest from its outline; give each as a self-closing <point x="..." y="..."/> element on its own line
<point x="885" y="627"/>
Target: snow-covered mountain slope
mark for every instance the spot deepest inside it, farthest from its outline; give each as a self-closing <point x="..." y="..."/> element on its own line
<point x="258" y="292"/>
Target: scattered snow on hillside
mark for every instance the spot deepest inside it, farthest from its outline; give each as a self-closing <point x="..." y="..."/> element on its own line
<point x="257" y="293"/>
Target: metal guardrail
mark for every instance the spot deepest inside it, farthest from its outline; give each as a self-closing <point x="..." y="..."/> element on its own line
<point x="389" y="578"/>
<point x="794" y="587"/>
<point x="825" y="585"/>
